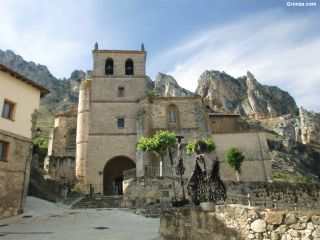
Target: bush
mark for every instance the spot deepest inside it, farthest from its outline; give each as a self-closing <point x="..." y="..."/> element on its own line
<point x="78" y="189"/>
<point x="209" y="146"/>
<point x="235" y="158"/>
<point x="158" y="143"/>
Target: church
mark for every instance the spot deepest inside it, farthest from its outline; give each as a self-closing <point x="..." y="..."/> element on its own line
<point x="95" y="145"/>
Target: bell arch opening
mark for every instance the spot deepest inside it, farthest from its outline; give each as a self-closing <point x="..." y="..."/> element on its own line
<point x="113" y="174"/>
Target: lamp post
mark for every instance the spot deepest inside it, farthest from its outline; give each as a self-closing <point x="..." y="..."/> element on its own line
<point x="180" y="169"/>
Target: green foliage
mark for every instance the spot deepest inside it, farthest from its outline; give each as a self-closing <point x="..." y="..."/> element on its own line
<point x="158" y="144"/>
<point x="210" y="146"/>
<point x="190" y="147"/>
<point x="235" y="158"/>
<point x="281" y="177"/>
<point x="43" y="147"/>
<point x="78" y="189"/>
<point x="146" y="144"/>
<point x="41" y="142"/>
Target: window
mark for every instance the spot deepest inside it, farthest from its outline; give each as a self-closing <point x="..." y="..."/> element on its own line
<point x="173" y="115"/>
<point x="109" y="67"/>
<point x="8" y="109"/>
<point x="121" y="92"/>
<point x="71" y="139"/>
<point x="120" y="122"/>
<point x="129" y="67"/>
<point x="4" y="146"/>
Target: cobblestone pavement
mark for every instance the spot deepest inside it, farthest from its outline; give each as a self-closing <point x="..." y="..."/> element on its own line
<point x="44" y="220"/>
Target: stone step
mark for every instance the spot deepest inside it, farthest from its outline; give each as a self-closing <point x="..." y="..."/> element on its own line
<point x="100" y="202"/>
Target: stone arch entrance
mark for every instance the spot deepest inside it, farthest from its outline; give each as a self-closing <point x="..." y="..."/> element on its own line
<point x="113" y="174"/>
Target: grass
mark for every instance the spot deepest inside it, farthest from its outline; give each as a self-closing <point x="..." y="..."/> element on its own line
<point x="45" y="121"/>
<point x="282" y="177"/>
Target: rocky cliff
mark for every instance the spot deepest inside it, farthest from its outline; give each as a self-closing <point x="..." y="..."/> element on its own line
<point x="244" y="95"/>
<point x="166" y="85"/>
<point x="64" y="92"/>
<point x="266" y="108"/>
<point x="304" y="128"/>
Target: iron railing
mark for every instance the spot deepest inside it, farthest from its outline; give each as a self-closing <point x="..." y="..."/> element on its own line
<point x="154" y="171"/>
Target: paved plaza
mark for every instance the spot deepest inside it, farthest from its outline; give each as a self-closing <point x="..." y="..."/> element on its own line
<point x="47" y="221"/>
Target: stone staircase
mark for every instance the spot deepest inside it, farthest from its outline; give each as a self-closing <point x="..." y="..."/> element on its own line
<point x="100" y="202"/>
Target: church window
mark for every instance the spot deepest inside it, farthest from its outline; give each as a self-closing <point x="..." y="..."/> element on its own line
<point x="129" y="67"/>
<point x="121" y="92"/>
<point x="109" y="67"/>
<point x="173" y="115"/>
<point x="71" y="139"/>
<point x="120" y="122"/>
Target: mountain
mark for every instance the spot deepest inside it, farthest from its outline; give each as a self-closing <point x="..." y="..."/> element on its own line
<point x="64" y="92"/>
<point x="167" y="86"/>
<point x="244" y="95"/>
<point x="293" y="133"/>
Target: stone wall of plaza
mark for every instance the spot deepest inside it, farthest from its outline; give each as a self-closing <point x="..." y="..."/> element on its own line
<point x="60" y="161"/>
<point x="16" y="171"/>
<point x="277" y="195"/>
<point x="234" y="222"/>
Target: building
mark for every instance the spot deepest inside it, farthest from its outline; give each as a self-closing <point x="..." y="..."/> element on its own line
<point x="60" y="161"/>
<point x="19" y="99"/>
<point x="115" y="109"/>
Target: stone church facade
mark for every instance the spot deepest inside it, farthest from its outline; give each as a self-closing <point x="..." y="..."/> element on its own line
<point x="115" y="109"/>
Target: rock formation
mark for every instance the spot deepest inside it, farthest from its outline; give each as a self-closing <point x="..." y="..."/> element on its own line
<point x="244" y="95"/>
<point x="292" y="127"/>
<point x="304" y="128"/>
<point x="166" y="85"/>
<point x="64" y="92"/>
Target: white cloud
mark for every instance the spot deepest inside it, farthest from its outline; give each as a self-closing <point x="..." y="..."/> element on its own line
<point x="278" y="50"/>
<point x="52" y="33"/>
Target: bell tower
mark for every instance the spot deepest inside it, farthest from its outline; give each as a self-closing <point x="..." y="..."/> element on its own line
<point x="118" y="82"/>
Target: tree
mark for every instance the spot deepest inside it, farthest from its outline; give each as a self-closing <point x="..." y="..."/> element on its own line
<point x="159" y="144"/>
<point x="235" y="158"/>
<point x="209" y="144"/>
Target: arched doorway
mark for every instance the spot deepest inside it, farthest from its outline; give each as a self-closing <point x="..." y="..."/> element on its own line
<point x="113" y="174"/>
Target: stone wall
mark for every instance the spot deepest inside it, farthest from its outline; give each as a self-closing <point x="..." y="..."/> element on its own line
<point x="194" y="224"/>
<point x="239" y="222"/>
<point x="277" y="195"/>
<point x="257" y="163"/>
<point x="144" y="191"/>
<point x="192" y="123"/>
<point x="223" y="123"/>
<point x="14" y="174"/>
<point x="60" y="161"/>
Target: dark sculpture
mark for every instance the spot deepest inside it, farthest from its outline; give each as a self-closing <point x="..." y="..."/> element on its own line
<point x="205" y="184"/>
<point x="180" y="172"/>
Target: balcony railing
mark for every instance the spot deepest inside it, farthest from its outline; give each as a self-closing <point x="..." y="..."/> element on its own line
<point x="154" y="171"/>
<point x="149" y="171"/>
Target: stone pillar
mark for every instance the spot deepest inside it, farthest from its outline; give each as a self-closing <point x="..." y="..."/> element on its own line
<point x="82" y="130"/>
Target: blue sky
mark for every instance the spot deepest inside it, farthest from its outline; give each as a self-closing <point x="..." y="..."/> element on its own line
<point x="280" y="45"/>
